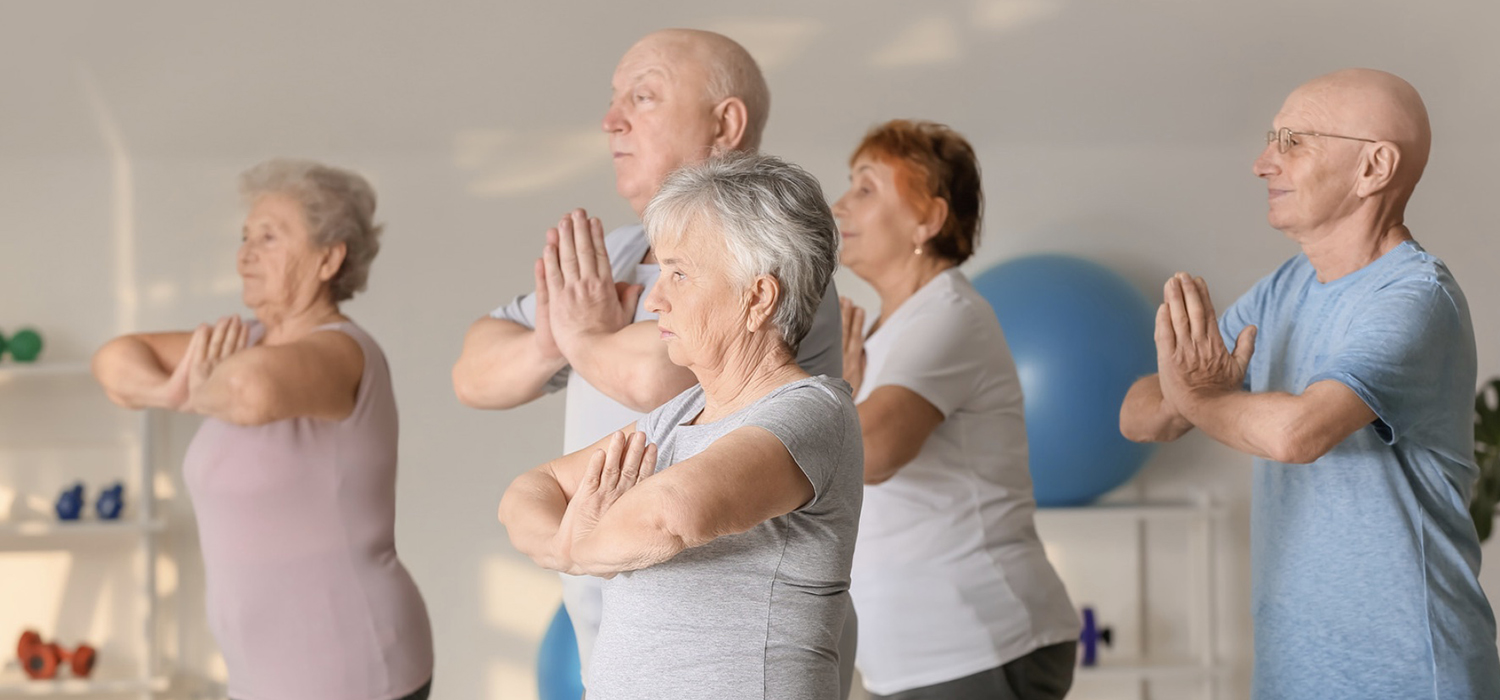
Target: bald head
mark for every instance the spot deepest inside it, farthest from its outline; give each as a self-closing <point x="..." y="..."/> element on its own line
<point x="1370" y="104"/>
<point x="725" y="68"/>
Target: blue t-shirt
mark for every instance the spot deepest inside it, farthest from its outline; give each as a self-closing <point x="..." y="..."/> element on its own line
<point x="1366" y="562"/>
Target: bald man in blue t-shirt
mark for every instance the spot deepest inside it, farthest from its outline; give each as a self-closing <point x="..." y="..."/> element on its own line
<point x="1351" y="382"/>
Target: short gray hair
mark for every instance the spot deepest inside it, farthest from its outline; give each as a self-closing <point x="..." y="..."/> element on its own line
<point x="774" y="221"/>
<point x="339" y="206"/>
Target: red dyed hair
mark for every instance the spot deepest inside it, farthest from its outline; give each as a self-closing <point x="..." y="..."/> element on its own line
<point x="932" y="162"/>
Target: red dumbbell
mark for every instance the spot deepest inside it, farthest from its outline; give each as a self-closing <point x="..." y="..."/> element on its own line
<point x="41" y="660"/>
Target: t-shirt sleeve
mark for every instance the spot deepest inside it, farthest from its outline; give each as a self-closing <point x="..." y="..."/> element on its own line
<point x="1395" y="354"/>
<point x="936" y="355"/>
<point x="810" y="420"/>
<point x="822" y="350"/>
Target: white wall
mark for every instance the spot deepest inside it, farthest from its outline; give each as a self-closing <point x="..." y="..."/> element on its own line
<point x="1121" y="131"/>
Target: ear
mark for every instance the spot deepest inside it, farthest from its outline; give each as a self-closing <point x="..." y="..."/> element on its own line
<point x="333" y="259"/>
<point x="731" y="118"/>
<point x="932" y="223"/>
<point x="762" y="295"/>
<point x="1377" y="170"/>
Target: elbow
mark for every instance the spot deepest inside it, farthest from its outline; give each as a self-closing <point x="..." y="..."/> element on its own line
<point x="650" y="391"/>
<point x="1298" y="445"/>
<point x="252" y="400"/>
<point x="877" y="473"/>
<point x="473" y="391"/>
<point x="105" y="368"/>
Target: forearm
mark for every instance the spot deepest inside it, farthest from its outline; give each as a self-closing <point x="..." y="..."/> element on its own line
<point x="625" y="539"/>
<point x="630" y="366"/>
<point x="1271" y="425"/>
<point x="532" y="511"/>
<point x="1145" y="415"/>
<point x="501" y="366"/>
<point x="130" y="373"/>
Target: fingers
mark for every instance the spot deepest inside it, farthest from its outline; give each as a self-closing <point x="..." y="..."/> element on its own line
<point x="859" y="330"/>
<point x="592" y="475"/>
<point x="1177" y="313"/>
<point x="613" y="458"/>
<point x="217" y="337"/>
<point x="648" y="464"/>
<point x="1166" y="339"/>
<point x="1193" y="302"/>
<point x="552" y="260"/>
<point x="1244" y="347"/>
<point x="198" y="344"/>
<point x="576" y="224"/>
<point x="601" y="253"/>
<point x="567" y="250"/>
<point x="541" y="284"/>
<point x="635" y="452"/>
<point x="1209" y="314"/>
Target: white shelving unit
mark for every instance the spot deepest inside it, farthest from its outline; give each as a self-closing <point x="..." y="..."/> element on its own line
<point x="1202" y="517"/>
<point x="143" y="677"/>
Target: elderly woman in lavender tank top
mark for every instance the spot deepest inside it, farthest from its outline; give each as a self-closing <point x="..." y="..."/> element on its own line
<point x="293" y="472"/>
<point x="725" y="519"/>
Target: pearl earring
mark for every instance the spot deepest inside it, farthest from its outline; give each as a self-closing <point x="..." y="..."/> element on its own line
<point x="918" y="250"/>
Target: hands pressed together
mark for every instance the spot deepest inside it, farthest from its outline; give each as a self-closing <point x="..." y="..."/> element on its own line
<point x="209" y="346"/>
<point x="576" y="293"/>
<point x="1192" y="361"/>
<point x="625" y="463"/>
<point x="853" y="344"/>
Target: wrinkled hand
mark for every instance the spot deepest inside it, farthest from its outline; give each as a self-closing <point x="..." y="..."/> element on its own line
<point x="1192" y="361"/>
<point x="621" y="466"/>
<point x="582" y="295"/>
<point x="210" y="346"/>
<point x="854" y="343"/>
<point x="546" y="344"/>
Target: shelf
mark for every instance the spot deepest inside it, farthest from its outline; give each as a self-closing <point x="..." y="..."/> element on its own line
<point x="15" y="685"/>
<point x="55" y="528"/>
<point x="20" y="370"/>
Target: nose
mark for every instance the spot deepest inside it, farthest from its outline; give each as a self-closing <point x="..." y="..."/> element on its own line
<point x="839" y="208"/>
<point x="656" y="302"/>
<point x="1267" y="164"/>
<point x="614" y="121"/>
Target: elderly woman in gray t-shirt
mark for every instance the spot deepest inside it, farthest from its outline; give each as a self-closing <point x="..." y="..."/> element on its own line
<point x="724" y="520"/>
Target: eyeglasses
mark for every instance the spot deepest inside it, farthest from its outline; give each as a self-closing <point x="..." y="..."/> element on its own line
<point x="1284" y="142"/>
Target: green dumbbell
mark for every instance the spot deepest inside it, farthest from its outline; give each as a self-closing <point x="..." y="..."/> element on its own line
<point x="2" y="346"/>
<point x="25" y="345"/>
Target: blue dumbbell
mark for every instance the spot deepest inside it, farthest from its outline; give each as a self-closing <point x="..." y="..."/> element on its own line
<point x="1093" y="635"/>
<point x="111" y="502"/>
<point x="70" y="502"/>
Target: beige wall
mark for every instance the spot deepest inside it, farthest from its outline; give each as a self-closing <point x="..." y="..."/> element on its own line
<point x="1121" y="131"/>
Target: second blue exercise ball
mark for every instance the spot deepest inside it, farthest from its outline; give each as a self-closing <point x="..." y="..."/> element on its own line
<point x="559" y="676"/>
<point x="1080" y="335"/>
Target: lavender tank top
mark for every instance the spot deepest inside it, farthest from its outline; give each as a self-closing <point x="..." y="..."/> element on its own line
<point x="297" y="522"/>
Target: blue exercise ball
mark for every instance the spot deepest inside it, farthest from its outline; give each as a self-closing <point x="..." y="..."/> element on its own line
<point x="1080" y="335"/>
<point x="558" y="673"/>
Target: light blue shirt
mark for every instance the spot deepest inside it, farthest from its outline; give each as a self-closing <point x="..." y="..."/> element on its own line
<point x="1366" y="562"/>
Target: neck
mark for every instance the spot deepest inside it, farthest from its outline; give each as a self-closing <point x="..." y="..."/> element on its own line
<point x="746" y="373"/>
<point x="899" y="282"/>
<point x="289" y="322"/>
<point x="1353" y="243"/>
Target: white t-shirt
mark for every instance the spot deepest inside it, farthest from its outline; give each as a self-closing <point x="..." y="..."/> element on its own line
<point x="949" y="576"/>
<point x="591" y="414"/>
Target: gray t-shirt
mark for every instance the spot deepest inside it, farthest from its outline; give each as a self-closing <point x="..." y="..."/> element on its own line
<point x="590" y="413"/>
<point x="752" y="615"/>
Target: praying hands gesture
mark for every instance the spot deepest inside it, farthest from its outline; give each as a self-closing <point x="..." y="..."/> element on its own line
<point x="853" y="344"/>
<point x="1192" y="360"/>
<point x="619" y="467"/>
<point x="210" y="345"/>
<point x="576" y="294"/>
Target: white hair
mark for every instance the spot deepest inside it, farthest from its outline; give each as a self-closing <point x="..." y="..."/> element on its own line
<point x="773" y="219"/>
<point x="339" y="206"/>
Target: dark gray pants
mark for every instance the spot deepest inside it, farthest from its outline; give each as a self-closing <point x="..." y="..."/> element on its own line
<point x="1044" y="674"/>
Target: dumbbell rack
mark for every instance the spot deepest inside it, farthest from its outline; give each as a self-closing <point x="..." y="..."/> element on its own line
<point x="143" y="677"/>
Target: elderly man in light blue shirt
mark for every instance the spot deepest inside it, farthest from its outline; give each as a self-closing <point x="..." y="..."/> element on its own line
<point x="1351" y="381"/>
